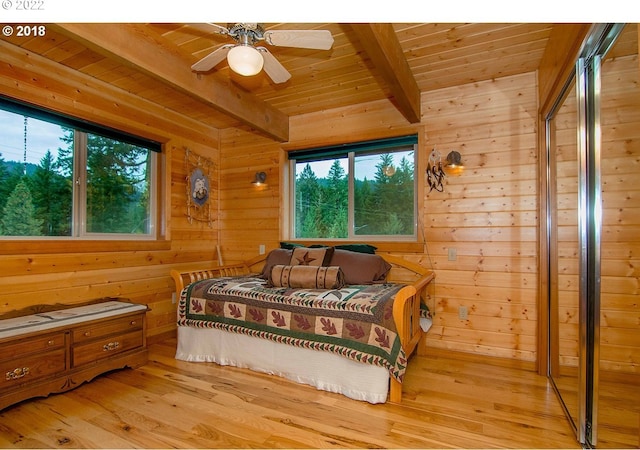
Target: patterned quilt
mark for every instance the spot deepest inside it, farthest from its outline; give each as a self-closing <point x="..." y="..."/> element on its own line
<point x="355" y="322"/>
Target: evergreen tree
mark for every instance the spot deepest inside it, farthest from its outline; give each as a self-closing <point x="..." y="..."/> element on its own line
<point x="307" y="197"/>
<point x="118" y="185"/>
<point x="11" y="180"/>
<point x="52" y="196"/>
<point x="365" y="206"/>
<point x="394" y="200"/>
<point x="382" y="206"/>
<point x="4" y="178"/>
<point x="336" y="202"/>
<point x="64" y="163"/>
<point x="382" y="176"/>
<point x="393" y="225"/>
<point x="405" y="194"/>
<point x="19" y="215"/>
<point x="385" y="201"/>
<point x="113" y="193"/>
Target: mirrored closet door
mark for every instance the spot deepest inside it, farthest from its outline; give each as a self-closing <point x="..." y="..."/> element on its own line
<point x="593" y="240"/>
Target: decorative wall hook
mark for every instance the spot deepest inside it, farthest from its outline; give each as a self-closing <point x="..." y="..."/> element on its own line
<point x="435" y="173"/>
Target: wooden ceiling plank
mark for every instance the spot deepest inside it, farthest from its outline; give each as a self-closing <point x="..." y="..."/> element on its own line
<point x="383" y="48"/>
<point x="137" y="46"/>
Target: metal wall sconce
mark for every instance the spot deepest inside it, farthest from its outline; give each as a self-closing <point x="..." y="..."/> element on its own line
<point x="260" y="179"/>
<point x="436" y="170"/>
<point x="454" y="164"/>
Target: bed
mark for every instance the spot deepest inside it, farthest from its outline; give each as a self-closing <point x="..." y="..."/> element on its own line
<point x="343" y="321"/>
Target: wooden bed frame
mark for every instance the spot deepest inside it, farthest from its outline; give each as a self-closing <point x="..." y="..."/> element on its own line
<point x="406" y="306"/>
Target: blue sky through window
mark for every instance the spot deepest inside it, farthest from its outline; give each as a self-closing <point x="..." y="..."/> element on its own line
<point x="41" y="136"/>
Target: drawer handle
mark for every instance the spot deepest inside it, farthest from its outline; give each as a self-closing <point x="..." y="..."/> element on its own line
<point x="110" y="346"/>
<point x="51" y="342"/>
<point x="133" y="323"/>
<point x="87" y="333"/>
<point x="16" y="374"/>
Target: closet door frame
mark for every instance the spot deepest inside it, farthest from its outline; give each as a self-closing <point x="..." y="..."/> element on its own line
<point x="587" y="83"/>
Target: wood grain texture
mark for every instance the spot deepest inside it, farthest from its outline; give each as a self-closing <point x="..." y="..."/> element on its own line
<point x="383" y="48"/>
<point x="169" y="403"/>
<point x="437" y="54"/>
<point x="488" y="214"/>
<point x="74" y="272"/>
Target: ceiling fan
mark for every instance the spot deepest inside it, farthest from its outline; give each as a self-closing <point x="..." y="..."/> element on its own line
<point x="247" y="59"/>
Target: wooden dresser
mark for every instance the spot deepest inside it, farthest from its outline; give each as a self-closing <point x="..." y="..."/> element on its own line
<point x="56" y="350"/>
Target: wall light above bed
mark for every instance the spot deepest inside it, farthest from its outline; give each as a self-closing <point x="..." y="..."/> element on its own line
<point x="437" y="170"/>
<point x="454" y="164"/>
<point x="260" y="179"/>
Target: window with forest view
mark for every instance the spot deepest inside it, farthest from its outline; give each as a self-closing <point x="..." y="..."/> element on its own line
<point x="60" y="181"/>
<point x="360" y="191"/>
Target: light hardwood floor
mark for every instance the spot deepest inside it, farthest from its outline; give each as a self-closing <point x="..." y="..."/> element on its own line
<point x="447" y="403"/>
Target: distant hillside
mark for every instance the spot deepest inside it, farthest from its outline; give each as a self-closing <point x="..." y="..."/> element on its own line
<point x="15" y="165"/>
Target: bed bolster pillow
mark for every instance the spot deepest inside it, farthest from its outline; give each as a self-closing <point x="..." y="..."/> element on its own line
<point x="307" y="277"/>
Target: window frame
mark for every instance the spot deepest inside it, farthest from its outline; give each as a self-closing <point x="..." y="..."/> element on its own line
<point x="156" y="239"/>
<point x="351" y="151"/>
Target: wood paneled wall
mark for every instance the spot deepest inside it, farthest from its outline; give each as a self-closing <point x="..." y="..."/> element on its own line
<point x="249" y="214"/>
<point x="46" y="272"/>
<point x="488" y="214"/>
<point x="620" y="246"/>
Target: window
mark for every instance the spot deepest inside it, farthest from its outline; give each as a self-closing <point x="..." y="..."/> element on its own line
<point x="65" y="178"/>
<point x="359" y="191"/>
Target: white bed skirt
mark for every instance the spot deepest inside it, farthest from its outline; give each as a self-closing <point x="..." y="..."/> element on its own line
<point x="325" y="371"/>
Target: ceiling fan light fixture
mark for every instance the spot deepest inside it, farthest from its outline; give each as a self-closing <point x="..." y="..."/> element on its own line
<point x="245" y="60"/>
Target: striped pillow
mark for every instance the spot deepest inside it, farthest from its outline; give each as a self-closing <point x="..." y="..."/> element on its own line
<point x="307" y="277"/>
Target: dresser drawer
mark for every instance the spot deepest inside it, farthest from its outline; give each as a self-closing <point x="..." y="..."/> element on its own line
<point x="117" y="326"/>
<point x="23" y="347"/>
<point x="106" y="347"/>
<point x="26" y="369"/>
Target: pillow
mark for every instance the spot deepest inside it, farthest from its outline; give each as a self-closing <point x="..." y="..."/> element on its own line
<point x="275" y="256"/>
<point x="303" y="256"/>
<point x="360" y="268"/>
<point x="308" y="277"/>
<point x="290" y="245"/>
<point x="360" y="248"/>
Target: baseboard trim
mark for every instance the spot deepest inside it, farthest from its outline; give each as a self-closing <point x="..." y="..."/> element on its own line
<point x="171" y="334"/>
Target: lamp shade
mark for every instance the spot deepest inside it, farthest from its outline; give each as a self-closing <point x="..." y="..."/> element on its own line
<point x="260" y="179"/>
<point x="454" y="164"/>
<point x="245" y="60"/>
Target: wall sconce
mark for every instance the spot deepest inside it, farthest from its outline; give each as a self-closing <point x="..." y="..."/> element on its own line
<point x="454" y="164"/>
<point x="260" y="179"/>
<point x="436" y="170"/>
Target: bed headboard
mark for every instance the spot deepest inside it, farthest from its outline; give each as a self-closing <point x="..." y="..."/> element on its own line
<point x="402" y="271"/>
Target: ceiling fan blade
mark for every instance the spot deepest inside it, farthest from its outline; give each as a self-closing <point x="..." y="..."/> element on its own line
<point x="272" y="66"/>
<point x="315" y="39"/>
<point x="212" y="59"/>
<point x="210" y="28"/>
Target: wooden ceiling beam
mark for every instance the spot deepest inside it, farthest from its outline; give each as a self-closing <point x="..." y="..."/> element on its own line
<point x="137" y="46"/>
<point x="380" y="42"/>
